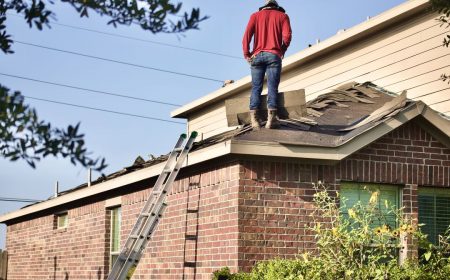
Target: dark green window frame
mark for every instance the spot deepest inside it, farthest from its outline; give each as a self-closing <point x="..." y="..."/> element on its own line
<point x="354" y="192"/>
<point x="434" y="212"/>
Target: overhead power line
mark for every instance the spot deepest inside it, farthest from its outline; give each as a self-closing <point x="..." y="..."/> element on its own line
<point x="90" y="90"/>
<point x="102" y="110"/>
<point x="140" y="40"/>
<point x="120" y="62"/>
<point x="148" y="41"/>
<point x="12" y="199"/>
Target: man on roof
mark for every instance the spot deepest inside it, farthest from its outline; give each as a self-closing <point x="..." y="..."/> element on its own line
<point x="271" y="31"/>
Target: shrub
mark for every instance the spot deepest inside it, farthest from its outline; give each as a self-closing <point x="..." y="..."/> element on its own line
<point x="358" y="243"/>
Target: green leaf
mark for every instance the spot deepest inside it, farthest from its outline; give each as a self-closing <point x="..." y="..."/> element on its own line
<point x="427" y="255"/>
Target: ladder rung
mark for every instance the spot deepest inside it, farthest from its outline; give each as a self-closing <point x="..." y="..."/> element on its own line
<point x="190" y="264"/>
<point x="159" y="192"/>
<point x="192" y="211"/>
<point x="191" y="237"/>
<point x="153" y="210"/>
<point x="136" y="236"/>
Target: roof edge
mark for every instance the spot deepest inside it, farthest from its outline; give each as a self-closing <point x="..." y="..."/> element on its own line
<point x="365" y="28"/>
<point x="194" y="157"/>
<point x="237" y="147"/>
<point x="326" y="153"/>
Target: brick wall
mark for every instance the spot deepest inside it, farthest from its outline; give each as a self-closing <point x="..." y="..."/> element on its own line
<point x="225" y="214"/>
<point x="199" y="232"/>
<point x="276" y="197"/>
<point x="37" y="250"/>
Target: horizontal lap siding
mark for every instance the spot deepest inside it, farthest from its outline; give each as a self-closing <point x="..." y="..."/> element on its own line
<point x="211" y="122"/>
<point x="409" y="57"/>
<point x="358" y="51"/>
<point x="404" y="57"/>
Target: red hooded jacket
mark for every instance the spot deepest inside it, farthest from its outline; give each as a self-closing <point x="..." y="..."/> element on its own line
<point x="272" y="32"/>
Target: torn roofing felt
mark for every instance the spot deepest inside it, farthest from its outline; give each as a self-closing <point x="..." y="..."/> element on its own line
<point x="331" y="120"/>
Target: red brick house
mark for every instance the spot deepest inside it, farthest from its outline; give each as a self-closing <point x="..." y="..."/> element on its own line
<point x="245" y="195"/>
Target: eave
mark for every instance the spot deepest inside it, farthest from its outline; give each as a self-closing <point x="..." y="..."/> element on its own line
<point x="352" y="35"/>
<point x="440" y="128"/>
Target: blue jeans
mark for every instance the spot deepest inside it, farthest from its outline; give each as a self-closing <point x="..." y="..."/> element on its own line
<point x="262" y="63"/>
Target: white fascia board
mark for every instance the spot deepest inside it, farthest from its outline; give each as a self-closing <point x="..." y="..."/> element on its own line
<point x="354" y="144"/>
<point x="201" y="155"/>
<point x="273" y="149"/>
<point x="353" y="34"/>
<point x="443" y="124"/>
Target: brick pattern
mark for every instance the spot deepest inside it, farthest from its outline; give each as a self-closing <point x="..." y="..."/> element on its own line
<point x="37" y="250"/>
<point x="408" y="155"/>
<point x="274" y="212"/>
<point x="411" y="212"/>
<point x="199" y="232"/>
<point x="275" y="199"/>
<point x="225" y="214"/>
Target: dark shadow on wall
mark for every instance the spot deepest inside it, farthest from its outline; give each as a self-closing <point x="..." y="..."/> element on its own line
<point x="55" y="266"/>
<point x="99" y="273"/>
<point x="55" y="269"/>
<point x="191" y="237"/>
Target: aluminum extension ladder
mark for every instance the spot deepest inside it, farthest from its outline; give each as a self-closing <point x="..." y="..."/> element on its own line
<point x="151" y="213"/>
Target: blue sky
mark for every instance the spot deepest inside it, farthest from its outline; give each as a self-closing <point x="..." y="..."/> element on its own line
<point x="120" y="138"/>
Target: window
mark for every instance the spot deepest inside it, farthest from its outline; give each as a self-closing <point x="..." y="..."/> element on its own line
<point x="62" y="220"/>
<point x="354" y="192"/>
<point x="434" y="212"/>
<point x="116" y="220"/>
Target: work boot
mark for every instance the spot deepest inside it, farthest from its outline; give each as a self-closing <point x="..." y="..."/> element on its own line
<point x="272" y="119"/>
<point x="254" y="119"/>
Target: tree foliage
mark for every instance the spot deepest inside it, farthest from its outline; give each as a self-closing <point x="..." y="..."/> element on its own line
<point x="22" y="134"/>
<point x="443" y="8"/>
<point x="156" y="16"/>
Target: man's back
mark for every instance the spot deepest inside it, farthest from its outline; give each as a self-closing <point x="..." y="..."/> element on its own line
<point x="271" y="30"/>
<point x="272" y="33"/>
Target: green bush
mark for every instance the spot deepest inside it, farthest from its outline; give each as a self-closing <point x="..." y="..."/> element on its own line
<point x="362" y="243"/>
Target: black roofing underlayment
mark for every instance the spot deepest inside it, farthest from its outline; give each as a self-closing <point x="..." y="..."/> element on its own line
<point x="332" y="119"/>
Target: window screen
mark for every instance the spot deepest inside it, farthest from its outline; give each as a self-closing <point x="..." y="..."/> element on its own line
<point x="434" y="212"/>
<point x="354" y="192"/>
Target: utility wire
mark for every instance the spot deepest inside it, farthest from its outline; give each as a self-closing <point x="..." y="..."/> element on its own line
<point x="102" y="110"/>
<point x="120" y="62"/>
<point x="11" y="199"/>
<point x="147" y="41"/>
<point x="90" y="90"/>
<point x="140" y="40"/>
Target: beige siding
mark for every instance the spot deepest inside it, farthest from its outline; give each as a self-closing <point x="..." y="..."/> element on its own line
<point x="405" y="57"/>
<point x="411" y="57"/>
<point x="209" y="122"/>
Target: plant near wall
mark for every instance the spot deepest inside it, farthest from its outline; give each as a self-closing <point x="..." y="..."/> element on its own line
<point x="358" y="243"/>
<point x="22" y="135"/>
